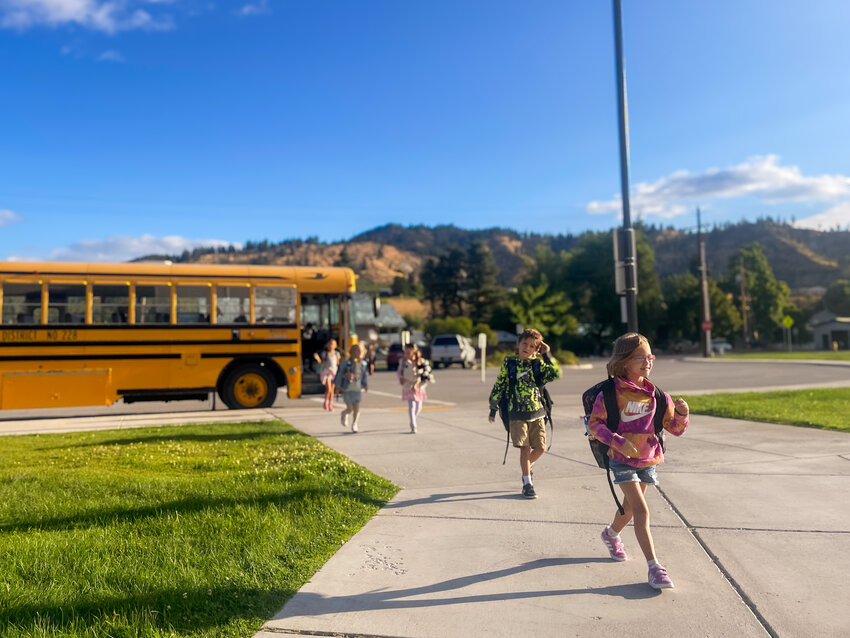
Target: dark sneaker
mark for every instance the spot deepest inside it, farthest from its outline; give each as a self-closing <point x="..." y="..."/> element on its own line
<point x="614" y="545"/>
<point x="658" y="578"/>
<point x="528" y="491"/>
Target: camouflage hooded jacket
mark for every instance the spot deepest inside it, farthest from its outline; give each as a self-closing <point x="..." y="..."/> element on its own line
<point x="525" y="403"/>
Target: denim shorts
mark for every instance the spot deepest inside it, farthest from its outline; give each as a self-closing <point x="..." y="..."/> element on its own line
<point x="628" y="474"/>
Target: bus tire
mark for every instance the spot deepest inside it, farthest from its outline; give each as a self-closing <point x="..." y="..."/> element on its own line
<point x="249" y="386"/>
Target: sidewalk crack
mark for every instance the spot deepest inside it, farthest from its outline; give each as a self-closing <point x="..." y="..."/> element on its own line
<point x="750" y="604"/>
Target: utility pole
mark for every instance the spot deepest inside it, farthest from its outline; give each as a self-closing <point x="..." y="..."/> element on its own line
<point x="744" y="305"/>
<point x="629" y="257"/>
<point x="705" y="306"/>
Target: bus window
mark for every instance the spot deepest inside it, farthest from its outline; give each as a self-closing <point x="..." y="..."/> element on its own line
<point x="66" y="303"/>
<point x="234" y="304"/>
<point x="21" y="303"/>
<point x="274" y="305"/>
<point x="153" y="304"/>
<point x="110" y="303"/>
<point x="193" y="304"/>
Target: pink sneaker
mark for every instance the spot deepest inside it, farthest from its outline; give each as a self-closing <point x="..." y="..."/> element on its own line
<point x="658" y="578"/>
<point x="614" y="545"/>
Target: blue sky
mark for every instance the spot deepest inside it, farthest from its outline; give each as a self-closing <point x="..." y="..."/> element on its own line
<point x="137" y="126"/>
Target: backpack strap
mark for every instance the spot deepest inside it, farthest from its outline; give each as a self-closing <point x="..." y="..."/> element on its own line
<point x="510" y="367"/>
<point x="545" y="398"/>
<point x="658" y="419"/>
<point x="609" y="395"/>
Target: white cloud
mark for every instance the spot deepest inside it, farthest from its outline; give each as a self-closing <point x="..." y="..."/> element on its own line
<point x="836" y="217"/>
<point x="120" y="248"/>
<point x="109" y="16"/>
<point x="760" y="177"/>
<point x="110" y="56"/>
<point x="8" y="217"/>
<point x="255" y="9"/>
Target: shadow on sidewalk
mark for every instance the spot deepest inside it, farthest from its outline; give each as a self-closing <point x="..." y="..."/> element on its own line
<point x="313" y="604"/>
<point x="454" y="498"/>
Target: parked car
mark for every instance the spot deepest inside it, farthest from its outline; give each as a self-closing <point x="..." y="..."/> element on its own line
<point x="505" y="338"/>
<point x="720" y="347"/>
<point x="394" y="355"/>
<point x="452" y="348"/>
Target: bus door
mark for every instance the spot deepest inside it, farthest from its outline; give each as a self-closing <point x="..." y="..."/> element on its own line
<point x="327" y="315"/>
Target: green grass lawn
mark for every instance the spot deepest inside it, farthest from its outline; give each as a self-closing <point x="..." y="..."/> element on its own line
<point x="176" y="531"/>
<point x="842" y="355"/>
<point x="822" y="408"/>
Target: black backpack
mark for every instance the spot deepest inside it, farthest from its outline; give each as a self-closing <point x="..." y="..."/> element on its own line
<point x="504" y="403"/>
<point x="598" y="448"/>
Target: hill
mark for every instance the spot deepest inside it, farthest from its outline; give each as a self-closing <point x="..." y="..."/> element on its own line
<point x="800" y="257"/>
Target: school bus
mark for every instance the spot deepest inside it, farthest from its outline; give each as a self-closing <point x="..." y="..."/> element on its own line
<point x="83" y="334"/>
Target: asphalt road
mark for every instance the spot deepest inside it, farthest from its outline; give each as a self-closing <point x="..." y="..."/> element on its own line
<point x="458" y="387"/>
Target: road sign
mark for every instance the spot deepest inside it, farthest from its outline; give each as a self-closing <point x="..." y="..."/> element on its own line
<point x="788" y="321"/>
<point x="707" y="325"/>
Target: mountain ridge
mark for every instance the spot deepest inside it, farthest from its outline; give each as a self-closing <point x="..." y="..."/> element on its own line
<point x="803" y="258"/>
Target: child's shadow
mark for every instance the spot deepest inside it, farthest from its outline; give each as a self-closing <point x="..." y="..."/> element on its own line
<point x="453" y="498"/>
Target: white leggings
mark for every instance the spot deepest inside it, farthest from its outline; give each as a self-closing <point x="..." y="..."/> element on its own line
<point x="354" y="410"/>
<point x="413" y="408"/>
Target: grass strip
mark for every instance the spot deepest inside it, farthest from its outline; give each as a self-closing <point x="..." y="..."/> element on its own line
<point x="821" y="408"/>
<point x="174" y="531"/>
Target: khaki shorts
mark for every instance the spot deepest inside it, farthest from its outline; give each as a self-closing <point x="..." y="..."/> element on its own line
<point x="531" y="433"/>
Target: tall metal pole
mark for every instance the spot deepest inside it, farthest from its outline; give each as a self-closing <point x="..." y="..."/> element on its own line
<point x="629" y="257"/>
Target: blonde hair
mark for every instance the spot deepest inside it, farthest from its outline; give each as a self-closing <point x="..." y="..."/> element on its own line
<point x="624" y="347"/>
<point x="415" y="353"/>
<point x="355" y="351"/>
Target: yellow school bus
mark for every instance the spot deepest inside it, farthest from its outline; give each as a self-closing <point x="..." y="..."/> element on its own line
<point x="82" y="334"/>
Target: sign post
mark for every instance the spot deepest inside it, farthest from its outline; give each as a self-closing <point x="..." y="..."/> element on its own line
<point x="482" y="345"/>
<point x="788" y="321"/>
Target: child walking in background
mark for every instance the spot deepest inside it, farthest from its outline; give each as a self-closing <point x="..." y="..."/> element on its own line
<point x="519" y="383"/>
<point x="414" y="374"/>
<point x="329" y="362"/>
<point x="635" y="451"/>
<point x="351" y="380"/>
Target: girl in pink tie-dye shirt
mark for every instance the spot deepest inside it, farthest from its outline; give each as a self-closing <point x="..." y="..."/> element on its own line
<point x="635" y="451"/>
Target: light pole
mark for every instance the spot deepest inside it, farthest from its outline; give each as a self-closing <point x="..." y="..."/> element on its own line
<point x="629" y="257"/>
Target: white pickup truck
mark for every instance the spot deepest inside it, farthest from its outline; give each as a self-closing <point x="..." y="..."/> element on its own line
<point x="448" y="349"/>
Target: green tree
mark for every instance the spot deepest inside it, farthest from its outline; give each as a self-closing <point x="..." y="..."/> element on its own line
<point x="487" y="330"/>
<point x="724" y="313"/>
<point x="684" y="318"/>
<point x="344" y="260"/>
<point x="590" y="274"/>
<point x="650" y="301"/>
<point x="413" y="321"/>
<point x="444" y="279"/>
<point x="407" y="286"/>
<point x="837" y="298"/>
<point x="483" y="292"/>
<point x="767" y="297"/>
<point x="682" y="294"/>
<point x="540" y="306"/>
<point x="449" y="325"/>
<point x="590" y="277"/>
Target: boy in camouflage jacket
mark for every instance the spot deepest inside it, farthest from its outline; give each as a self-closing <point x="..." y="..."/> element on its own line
<point x="527" y="415"/>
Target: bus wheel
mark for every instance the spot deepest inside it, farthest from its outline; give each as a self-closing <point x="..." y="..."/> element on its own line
<point x="249" y="386"/>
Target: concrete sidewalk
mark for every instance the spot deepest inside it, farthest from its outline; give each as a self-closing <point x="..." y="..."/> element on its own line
<point x="750" y="521"/>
